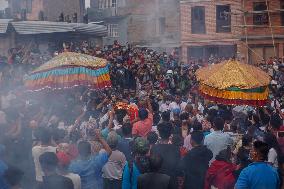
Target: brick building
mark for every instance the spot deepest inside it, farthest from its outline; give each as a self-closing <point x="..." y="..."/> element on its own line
<point x="258" y="34"/>
<point x="147" y="22"/>
<point x="206" y="28"/>
<point x="49" y="10"/>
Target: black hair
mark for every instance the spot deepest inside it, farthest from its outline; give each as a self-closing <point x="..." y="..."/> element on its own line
<point x="13" y="176"/>
<point x="197" y="137"/>
<point x="152" y="137"/>
<point x="45" y="136"/>
<point x="272" y="142"/>
<point x="262" y="149"/>
<point x="48" y="161"/>
<point x="224" y="155"/>
<point x="165" y="130"/>
<point x="218" y="123"/>
<point x="156" y="162"/>
<point x="177" y="140"/>
<point x="143" y="114"/>
<point x="275" y="121"/>
<point x="184" y="116"/>
<point x="265" y="119"/>
<point x="126" y="129"/>
<point x="255" y="118"/>
<point x="246" y="140"/>
<point x="58" y="134"/>
<point x="84" y="148"/>
<point x="166" y="116"/>
<point x="197" y="126"/>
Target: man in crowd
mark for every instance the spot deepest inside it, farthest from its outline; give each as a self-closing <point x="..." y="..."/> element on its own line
<point x="51" y="179"/>
<point x="154" y="179"/>
<point x="217" y="140"/>
<point x="89" y="166"/>
<point x="259" y="174"/>
<point x="196" y="162"/>
<point x="37" y="151"/>
<point x="142" y="127"/>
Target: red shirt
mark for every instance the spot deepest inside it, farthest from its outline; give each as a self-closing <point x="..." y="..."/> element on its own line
<point x="142" y="128"/>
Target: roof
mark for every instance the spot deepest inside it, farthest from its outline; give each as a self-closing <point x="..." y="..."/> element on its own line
<point x="41" y="27"/>
<point x="91" y="29"/>
<point x="4" y="25"/>
<point x="46" y="27"/>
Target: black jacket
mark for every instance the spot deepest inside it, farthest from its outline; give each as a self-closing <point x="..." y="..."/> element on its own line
<point x="196" y="163"/>
<point x="155" y="181"/>
<point x="57" y="182"/>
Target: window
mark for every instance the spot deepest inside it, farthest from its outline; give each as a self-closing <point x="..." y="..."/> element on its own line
<point x="112" y="30"/>
<point x="29" y="5"/>
<point x="113" y="3"/>
<point x="198" y="20"/>
<point x="104" y="4"/>
<point x="223" y="18"/>
<point x="260" y="16"/>
<point x="162" y="25"/>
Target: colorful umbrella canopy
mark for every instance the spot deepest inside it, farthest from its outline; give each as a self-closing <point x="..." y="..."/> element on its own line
<point x="70" y="70"/>
<point x="234" y="83"/>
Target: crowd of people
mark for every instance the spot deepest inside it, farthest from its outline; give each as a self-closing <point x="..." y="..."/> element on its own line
<point x="165" y="137"/>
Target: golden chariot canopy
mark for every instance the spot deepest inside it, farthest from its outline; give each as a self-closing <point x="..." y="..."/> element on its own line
<point x="235" y="83"/>
<point x="69" y="70"/>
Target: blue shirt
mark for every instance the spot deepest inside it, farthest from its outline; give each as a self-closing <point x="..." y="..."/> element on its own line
<point x="90" y="170"/>
<point x="258" y="175"/>
<point x="126" y="184"/>
<point x="3" y="168"/>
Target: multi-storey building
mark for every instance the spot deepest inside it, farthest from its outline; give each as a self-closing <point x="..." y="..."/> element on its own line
<point x="147" y="22"/>
<point x="50" y="10"/>
<point x="263" y="29"/>
<point x="206" y="28"/>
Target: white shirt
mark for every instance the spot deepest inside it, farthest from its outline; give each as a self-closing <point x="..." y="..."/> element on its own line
<point x="180" y="106"/>
<point x="75" y="179"/>
<point x="216" y="142"/>
<point x="272" y="157"/>
<point x="36" y="152"/>
<point x="163" y="107"/>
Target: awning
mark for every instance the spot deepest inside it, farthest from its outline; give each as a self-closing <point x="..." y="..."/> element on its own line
<point x="4" y="25"/>
<point x="46" y="27"/>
